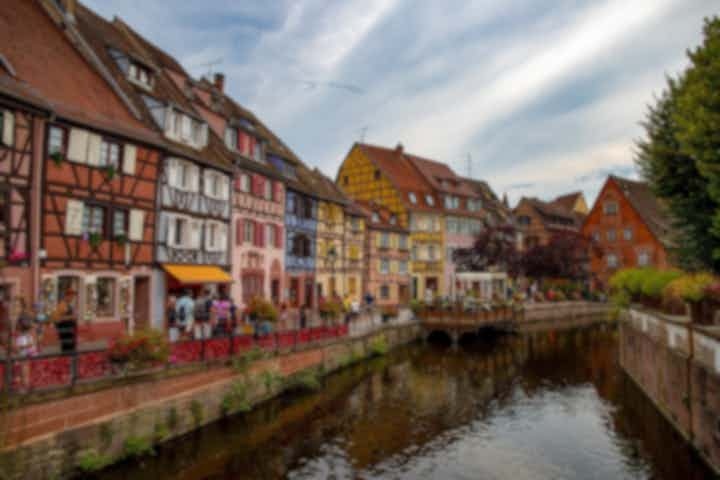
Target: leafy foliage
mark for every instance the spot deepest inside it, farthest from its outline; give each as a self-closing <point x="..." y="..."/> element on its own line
<point x="564" y="256"/>
<point x="137" y="447"/>
<point x="90" y="461"/>
<point x="688" y="288"/>
<point x="679" y="153"/>
<point x="495" y="246"/>
<point x="140" y="350"/>
<point x="262" y="309"/>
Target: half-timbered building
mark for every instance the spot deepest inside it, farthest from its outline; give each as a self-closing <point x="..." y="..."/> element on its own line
<point x="93" y="175"/>
<point x="258" y="210"/>
<point x="195" y="174"/>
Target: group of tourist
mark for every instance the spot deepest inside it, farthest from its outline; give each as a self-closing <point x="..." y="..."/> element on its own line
<point x="200" y="317"/>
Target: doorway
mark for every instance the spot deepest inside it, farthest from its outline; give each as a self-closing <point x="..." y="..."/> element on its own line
<point x="141" y="303"/>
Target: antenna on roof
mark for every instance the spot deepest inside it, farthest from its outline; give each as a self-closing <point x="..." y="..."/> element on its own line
<point x="363" y="132"/>
<point x="209" y="65"/>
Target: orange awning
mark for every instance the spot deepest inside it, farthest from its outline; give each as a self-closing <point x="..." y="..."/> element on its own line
<point x="195" y="274"/>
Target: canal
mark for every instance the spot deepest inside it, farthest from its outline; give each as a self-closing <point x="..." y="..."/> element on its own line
<point x="545" y="405"/>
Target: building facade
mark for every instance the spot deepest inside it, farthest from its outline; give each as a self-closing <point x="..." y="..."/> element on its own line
<point x="387" y="177"/>
<point x="354" y="252"/>
<point x="300" y="237"/>
<point x="628" y="228"/>
<point x="387" y="258"/>
<point x="538" y="221"/>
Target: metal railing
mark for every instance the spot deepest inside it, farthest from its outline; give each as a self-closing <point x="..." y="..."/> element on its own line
<point x="64" y="370"/>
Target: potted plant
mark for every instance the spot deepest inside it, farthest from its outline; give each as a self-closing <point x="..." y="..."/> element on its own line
<point x="139" y="351"/>
<point x="262" y="310"/>
<point x="110" y="172"/>
<point x="95" y="238"/>
<point x="691" y="290"/>
<point x="121" y="240"/>
<point x="57" y="157"/>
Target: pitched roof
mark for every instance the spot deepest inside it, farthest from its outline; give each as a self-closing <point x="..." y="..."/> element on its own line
<point x="553" y="216"/>
<point x="647" y="206"/>
<point x="367" y="208"/>
<point x="102" y="35"/>
<point x="404" y="176"/>
<point x="49" y="69"/>
<point x="568" y="200"/>
<point x="490" y="201"/>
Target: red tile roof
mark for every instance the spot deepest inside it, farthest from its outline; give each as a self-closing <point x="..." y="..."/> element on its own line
<point x="383" y="215"/>
<point x="404" y="176"/>
<point x="49" y="66"/>
<point x="648" y="207"/>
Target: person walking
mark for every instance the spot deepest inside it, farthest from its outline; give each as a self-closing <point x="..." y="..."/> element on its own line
<point x="221" y="312"/>
<point x="63" y="318"/>
<point x="25" y="345"/>
<point x="184" y="309"/>
<point x="173" y="327"/>
<point x="202" y="313"/>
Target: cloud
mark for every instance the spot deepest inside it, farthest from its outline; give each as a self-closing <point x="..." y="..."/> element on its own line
<point x="545" y="97"/>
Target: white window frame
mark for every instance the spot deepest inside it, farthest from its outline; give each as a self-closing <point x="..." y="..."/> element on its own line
<point x="412" y="197"/>
<point x="612" y="260"/>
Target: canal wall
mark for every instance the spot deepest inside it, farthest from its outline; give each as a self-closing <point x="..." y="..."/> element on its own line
<point x="542" y="312"/>
<point x="677" y="365"/>
<point x="66" y="436"/>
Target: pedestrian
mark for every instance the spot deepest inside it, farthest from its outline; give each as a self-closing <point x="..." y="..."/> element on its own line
<point x="25" y="344"/>
<point x="184" y="309"/>
<point x="203" y="307"/>
<point x="220" y="310"/>
<point x="63" y="318"/>
<point x="172" y="321"/>
<point x="303" y="318"/>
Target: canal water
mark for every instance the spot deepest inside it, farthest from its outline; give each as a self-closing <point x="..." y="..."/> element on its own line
<point x="544" y="405"/>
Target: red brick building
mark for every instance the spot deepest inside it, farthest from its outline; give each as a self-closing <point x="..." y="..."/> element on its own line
<point x="629" y="225"/>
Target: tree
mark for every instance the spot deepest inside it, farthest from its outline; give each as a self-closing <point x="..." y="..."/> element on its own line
<point x="494" y="247"/>
<point x="564" y="256"/>
<point x="680" y="154"/>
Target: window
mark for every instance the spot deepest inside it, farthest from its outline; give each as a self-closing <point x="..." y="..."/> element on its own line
<point x="212" y="235"/>
<point x="524" y="220"/>
<point x="377" y="174"/>
<point x="249" y="231"/>
<point x="57" y="141"/>
<point x="93" y="219"/>
<point x="270" y="235"/>
<point x="612" y="260"/>
<point x="385" y="240"/>
<point x="105" y="296"/>
<point x="120" y="223"/>
<point x="610" y="234"/>
<point x="244" y="182"/>
<point x="375" y="217"/>
<point x="307" y="208"/>
<point x="403" y="267"/>
<point x="430" y="200"/>
<point x="628" y="234"/>
<point x="268" y="189"/>
<point x="355" y="224"/>
<point x="385" y="292"/>
<point x="643" y="258"/>
<point x="393" y="220"/>
<point x="140" y="75"/>
<point x="610" y="208"/>
<point x="231" y="138"/>
<point x="384" y="265"/>
<point x="474" y="204"/>
<point x="431" y="252"/>
<point x="596" y="236"/>
<point x="403" y="242"/>
<point x="181" y="231"/>
<point x="414" y="253"/>
<point x="109" y="154"/>
<point x="412" y="197"/>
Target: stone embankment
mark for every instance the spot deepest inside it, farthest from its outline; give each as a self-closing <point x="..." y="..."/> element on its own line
<point x="677" y="365"/>
<point x="61" y="437"/>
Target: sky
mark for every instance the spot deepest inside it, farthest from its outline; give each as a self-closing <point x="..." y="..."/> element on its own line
<point x="537" y="97"/>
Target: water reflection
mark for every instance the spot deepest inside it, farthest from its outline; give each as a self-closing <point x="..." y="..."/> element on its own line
<point x="534" y="406"/>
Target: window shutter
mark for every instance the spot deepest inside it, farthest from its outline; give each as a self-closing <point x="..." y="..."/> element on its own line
<point x="225" y="187"/>
<point x="93" y="149"/>
<point x="170" y="238"/>
<point x="78" y="146"/>
<point x="278" y="236"/>
<point x="195" y="233"/>
<point x="171" y="172"/>
<point x="73" y="217"/>
<point x="239" y="231"/>
<point x="207" y="181"/>
<point x="251" y="147"/>
<point x="208" y="245"/>
<point x="277" y="194"/>
<point x="194" y="178"/>
<point x="204" y="135"/>
<point x="393" y="267"/>
<point x="129" y="159"/>
<point x="8" y="128"/>
<point x="137" y="225"/>
<point x="223" y="245"/>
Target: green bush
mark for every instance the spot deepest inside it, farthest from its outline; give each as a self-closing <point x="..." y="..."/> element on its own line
<point x="654" y="284"/>
<point x="306" y="380"/>
<point x="90" y="461"/>
<point x="378" y="346"/>
<point x="137" y="447"/>
<point x="688" y="288"/>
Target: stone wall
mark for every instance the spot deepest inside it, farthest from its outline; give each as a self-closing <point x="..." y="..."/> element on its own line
<point x="48" y="440"/>
<point x="677" y="365"/>
<point x="540" y="312"/>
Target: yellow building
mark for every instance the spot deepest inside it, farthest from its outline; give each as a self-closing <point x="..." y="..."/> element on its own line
<point x="354" y="254"/>
<point x="388" y="177"/>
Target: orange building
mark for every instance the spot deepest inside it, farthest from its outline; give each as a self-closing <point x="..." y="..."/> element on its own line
<point x="629" y="225"/>
<point x="538" y="220"/>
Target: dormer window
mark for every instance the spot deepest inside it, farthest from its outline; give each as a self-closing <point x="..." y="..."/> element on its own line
<point x="238" y="140"/>
<point x="141" y="75"/>
<point x="375" y="217"/>
<point x="186" y="129"/>
<point x="430" y="200"/>
<point x="393" y="219"/>
<point x="412" y="197"/>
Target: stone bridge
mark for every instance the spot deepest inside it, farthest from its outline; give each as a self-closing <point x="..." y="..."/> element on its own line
<point x="455" y="323"/>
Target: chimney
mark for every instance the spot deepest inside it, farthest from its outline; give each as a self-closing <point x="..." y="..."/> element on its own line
<point x="219" y="81"/>
<point x="399" y="148"/>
